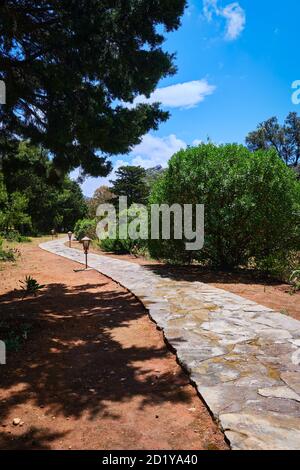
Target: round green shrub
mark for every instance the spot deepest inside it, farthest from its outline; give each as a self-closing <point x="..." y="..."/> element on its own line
<point x="113" y="242"/>
<point x="85" y="228"/>
<point x="252" y="204"/>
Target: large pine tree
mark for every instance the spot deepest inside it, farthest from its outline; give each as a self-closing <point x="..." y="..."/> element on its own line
<point x="69" y="64"/>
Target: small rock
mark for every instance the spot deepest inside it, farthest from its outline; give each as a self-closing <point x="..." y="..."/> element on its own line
<point x="16" y="421"/>
<point x="21" y="423"/>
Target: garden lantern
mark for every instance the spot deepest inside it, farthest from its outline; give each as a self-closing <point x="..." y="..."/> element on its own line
<point x="86" y="245"/>
<point x="70" y="238"/>
<point x="52" y="233"/>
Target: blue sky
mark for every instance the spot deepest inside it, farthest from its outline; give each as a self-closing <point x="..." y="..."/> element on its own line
<point x="236" y="64"/>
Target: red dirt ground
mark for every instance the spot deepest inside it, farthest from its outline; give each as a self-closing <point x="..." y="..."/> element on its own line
<point x="94" y="372"/>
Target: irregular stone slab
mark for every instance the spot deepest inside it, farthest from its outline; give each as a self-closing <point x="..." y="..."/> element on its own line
<point x="243" y="358"/>
<point x="248" y="431"/>
<point x="292" y="380"/>
<point x="279" y="392"/>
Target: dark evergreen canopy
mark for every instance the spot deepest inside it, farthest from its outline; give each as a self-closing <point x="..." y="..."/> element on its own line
<point x="69" y="64"/>
<point x="131" y="182"/>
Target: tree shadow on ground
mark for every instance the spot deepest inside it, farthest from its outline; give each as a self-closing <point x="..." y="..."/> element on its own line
<point x="34" y="438"/>
<point x="72" y="364"/>
<point x="201" y="274"/>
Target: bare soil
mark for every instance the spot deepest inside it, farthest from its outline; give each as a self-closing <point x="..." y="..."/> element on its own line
<point x="93" y="371"/>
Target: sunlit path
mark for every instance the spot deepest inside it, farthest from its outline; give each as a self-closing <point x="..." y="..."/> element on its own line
<point x="243" y="357"/>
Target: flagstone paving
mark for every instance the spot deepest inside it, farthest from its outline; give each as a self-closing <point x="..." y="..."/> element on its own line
<point x="243" y="358"/>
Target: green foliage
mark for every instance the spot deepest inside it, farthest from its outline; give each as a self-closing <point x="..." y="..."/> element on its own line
<point x="13" y="207"/>
<point x="3" y="200"/>
<point x="15" y="236"/>
<point x="102" y="195"/>
<point x="30" y="286"/>
<point x="285" y="139"/>
<point x="131" y="182"/>
<point x="16" y="214"/>
<point x="6" y="255"/>
<point x="114" y="243"/>
<point x="67" y="63"/>
<point x="85" y="228"/>
<point x="279" y="265"/>
<point x="295" y="280"/>
<point x="117" y="245"/>
<point x="31" y="201"/>
<point x="252" y="202"/>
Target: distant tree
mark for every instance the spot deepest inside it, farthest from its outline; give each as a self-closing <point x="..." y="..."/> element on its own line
<point x="16" y="212"/>
<point x="284" y="139"/>
<point x="102" y="195"/>
<point x="3" y="201"/>
<point x="26" y="169"/>
<point x="131" y="182"/>
<point x="68" y="65"/>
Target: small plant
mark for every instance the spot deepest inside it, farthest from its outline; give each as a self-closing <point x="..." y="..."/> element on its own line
<point x="295" y="280"/>
<point x="6" y="255"/>
<point x="30" y="286"/>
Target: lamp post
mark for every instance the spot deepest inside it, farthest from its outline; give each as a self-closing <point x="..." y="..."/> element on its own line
<point x="70" y="238"/>
<point x="52" y="233"/>
<point x="86" y="245"/>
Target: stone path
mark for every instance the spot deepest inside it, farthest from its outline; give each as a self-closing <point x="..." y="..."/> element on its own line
<point x="243" y="358"/>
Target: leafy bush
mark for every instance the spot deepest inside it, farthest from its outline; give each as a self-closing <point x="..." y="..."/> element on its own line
<point x="85" y="228"/>
<point x="117" y="245"/>
<point x="6" y="255"/>
<point x="15" y="236"/>
<point x="128" y="245"/>
<point x="295" y="280"/>
<point x="252" y="204"/>
<point x="280" y="265"/>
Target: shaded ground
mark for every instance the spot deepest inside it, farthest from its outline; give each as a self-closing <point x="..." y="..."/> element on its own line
<point x="94" y="373"/>
<point x="270" y="293"/>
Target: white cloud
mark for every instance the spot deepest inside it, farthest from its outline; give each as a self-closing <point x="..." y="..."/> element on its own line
<point x="182" y="95"/>
<point x="236" y="20"/>
<point x="197" y="142"/>
<point x="233" y="13"/>
<point x="153" y="151"/>
<point x="210" y="7"/>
